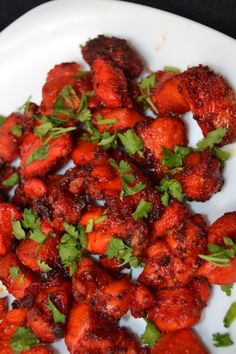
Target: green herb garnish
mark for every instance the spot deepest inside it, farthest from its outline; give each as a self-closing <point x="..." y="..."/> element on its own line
<point x="17" y="130"/>
<point x="145" y="85"/>
<point x="131" y="141"/>
<point x="58" y="317"/>
<point x="227" y="288"/>
<point x="23" y="339"/>
<point x="230" y="316"/>
<point x="118" y="249"/>
<point x="12" y="180"/>
<point x="170" y="188"/>
<point x="222" y="339"/>
<point x="142" y="209"/>
<point x="151" y="334"/>
<point x="220" y="256"/>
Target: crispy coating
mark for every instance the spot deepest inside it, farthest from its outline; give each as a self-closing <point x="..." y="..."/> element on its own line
<point x="201" y="176"/>
<point x="142" y="300"/>
<point x="172" y="215"/>
<point x="3" y="307"/>
<point x="211" y="100"/>
<point x="30" y="252"/>
<point x="225" y="226"/>
<point x="113" y="300"/>
<point x="126" y="118"/>
<point x="58" y="152"/>
<point x="174" y="259"/>
<point x="88" y="277"/>
<point x="84" y="152"/>
<point x="40" y="317"/>
<point x="162" y="132"/>
<point x="87" y="331"/>
<point x="184" y="341"/>
<point x="10" y="323"/>
<point x="115" y="49"/>
<point x="16" y="284"/>
<point x="59" y="205"/>
<point x="113" y="265"/>
<point x="35" y="188"/>
<point x="109" y="84"/>
<point x="201" y="290"/>
<point x="175" y="309"/>
<point x="8" y="213"/>
<point x="166" y="95"/>
<point x="9" y="147"/>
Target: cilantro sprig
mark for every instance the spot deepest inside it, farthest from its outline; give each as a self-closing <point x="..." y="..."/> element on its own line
<point x="72" y="246"/>
<point x="12" y="180"/>
<point x="170" y="188"/>
<point x="118" y="249"/>
<point x="227" y="289"/>
<point x="58" y="317"/>
<point x="145" y="86"/>
<point x="151" y="334"/>
<point x="142" y="210"/>
<point x="230" y="316"/>
<point x="222" y="339"/>
<point x="131" y="142"/>
<point x="23" y="339"/>
<point x="220" y="256"/>
<point x="124" y="170"/>
<point x="17" y="274"/>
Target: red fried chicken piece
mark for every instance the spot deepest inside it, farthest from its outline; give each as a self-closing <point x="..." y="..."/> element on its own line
<point x="59" y="205"/>
<point x="6" y="171"/>
<point x="109" y="84"/>
<point x="32" y="254"/>
<point x="88" y="277"/>
<point x="14" y="275"/>
<point x="35" y="188"/>
<point x="174" y="259"/>
<point x="201" y="176"/>
<point x="10" y="323"/>
<point x="115" y="49"/>
<point x="166" y="94"/>
<point x="225" y="226"/>
<point x="162" y="132"/>
<point x="9" y="147"/>
<point x="84" y="152"/>
<point x="184" y="341"/>
<point x="8" y="214"/>
<point x="142" y="300"/>
<point x="55" y="153"/>
<point x="211" y="100"/>
<point x="172" y="215"/>
<point x="88" y="331"/>
<point x="125" y="118"/>
<point x="175" y="309"/>
<point x="113" y="300"/>
<point x="40" y="316"/>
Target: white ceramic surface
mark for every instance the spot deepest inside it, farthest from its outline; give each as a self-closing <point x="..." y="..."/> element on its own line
<point x="52" y="33"/>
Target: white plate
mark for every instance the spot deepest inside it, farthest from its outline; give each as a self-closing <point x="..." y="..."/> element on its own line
<point x="52" y="33"/>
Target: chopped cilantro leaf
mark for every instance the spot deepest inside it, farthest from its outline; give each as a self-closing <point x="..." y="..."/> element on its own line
<point x="84" y="114"/>
<point x="12" y="180"/>
<point x="222" y="339"/>
<point x="145" y="85"/>
<point x="16" y="130"/>
<point x="30" y="219"/>
<point x="172" y="69"/>
<point x="151" y="334"/>
<point x="23" y="339"/>
<point x="18" y="232"/>
<point x="220" y="154"/>
<point x="131" y="141"/>
<point x="25" y="107"/>
<point x="118" y="249"/>
<point x="230" y="316"/>
<point x="220" y="256"/>
<point x="212" y="138"/>
<point x="170" y="187"/>
<point x="174" y="159"/>
<point x="37" y="236"/>
<point x="43" y="266"/>
<point x="58" y="317"/>
<point x="43" y="129"/>
<point x="142" y="209"/>
<point x="40" y="153"/>
<point x="106" y="121"/>
<point x="100" y="219"/>
<point x="2" y="120"/>
<point x="124" y="170"/>
<point x="72" y="246"/>
<point x="227" y="288"/>
<point x="89" y="227"/>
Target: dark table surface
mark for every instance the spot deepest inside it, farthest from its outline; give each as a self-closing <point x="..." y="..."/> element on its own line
<point x="217" y="14"/>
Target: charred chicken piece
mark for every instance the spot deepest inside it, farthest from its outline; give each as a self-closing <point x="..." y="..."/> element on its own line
<point x="184" y="341"/>
<point x="15" y="276"/>
<point x="109" y="84"/>
<point x="53" y="293"/>
<point x="223" y="227"/>
<point x="8" y="214"/>
<point x="211" y="100"/>
<point x="115" y="49"/>
<point x="162" y="132"/>
<point x="3" y="307"/>
<point x="88" y="277"/>
<point x="88" y="331"/>
<point x="166" y="94"/>
<point x="201" y="176"/>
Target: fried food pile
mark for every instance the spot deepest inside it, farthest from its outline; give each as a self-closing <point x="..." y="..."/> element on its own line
<point x="70" y="237"/>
